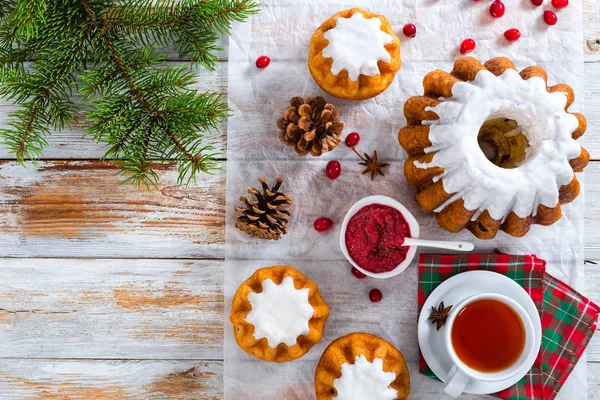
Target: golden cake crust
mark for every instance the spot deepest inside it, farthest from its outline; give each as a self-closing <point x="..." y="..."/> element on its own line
<point x="345" y="350"/>
<point x="244" y="331"/>
<point x="430" y="192"/>
<point x="340" y="85"/>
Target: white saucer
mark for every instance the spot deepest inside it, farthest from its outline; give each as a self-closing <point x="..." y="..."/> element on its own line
<point x="453" y="291"/>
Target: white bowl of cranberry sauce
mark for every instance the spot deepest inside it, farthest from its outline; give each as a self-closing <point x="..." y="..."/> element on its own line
<point x="372" y="235"/>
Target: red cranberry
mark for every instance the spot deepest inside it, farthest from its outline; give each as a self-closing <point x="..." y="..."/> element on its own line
<point x="410" y="30"/>
<point x="357" y="273"/>
<point x="537" y="3"/>
<point x="560" y="3"/>
<point x="322" y="224"/>
<point x="352" y="139"/>
<point x="512" y="35"/>
<point x="550" y="17"/>
<point x="497" y="9"/>
<point x="467" y="46"/>
<point x="263" y="62"/>
<point x="375" y="295"/>
<point x="333" y="169"/>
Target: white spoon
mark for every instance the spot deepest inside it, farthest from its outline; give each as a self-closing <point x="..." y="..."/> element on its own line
<point x="440" y="244"/>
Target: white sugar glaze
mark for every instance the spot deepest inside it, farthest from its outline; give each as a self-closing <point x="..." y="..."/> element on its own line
<point x="365" y="381"/>
<point x="356" y="44"/>
<point x="471" y="176"/>
<point x="280" y="313"/>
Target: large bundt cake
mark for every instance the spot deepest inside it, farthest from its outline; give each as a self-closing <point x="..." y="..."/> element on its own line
<point x="491" y="148"/>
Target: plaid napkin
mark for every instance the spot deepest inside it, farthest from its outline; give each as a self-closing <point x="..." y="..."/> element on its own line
<point x="568" y="318"/>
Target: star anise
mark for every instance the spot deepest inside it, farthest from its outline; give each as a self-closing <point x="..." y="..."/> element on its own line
<point x="439" y="315"/>
<point x="373" y="166"/>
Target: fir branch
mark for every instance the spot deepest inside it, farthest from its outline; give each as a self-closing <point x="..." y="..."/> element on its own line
<point x="30" y="15"/>
<point x="42" y="94"/>
<point x="144" y="111"/>
<point x="192" y="25"/>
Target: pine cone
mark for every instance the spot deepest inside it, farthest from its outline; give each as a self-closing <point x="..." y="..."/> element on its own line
<point x="310" y="125"/>
<point x="265" y="217"/>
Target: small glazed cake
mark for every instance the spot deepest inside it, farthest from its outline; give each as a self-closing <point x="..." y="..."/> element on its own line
<point x="361" y="366"/>
<point x="354" y="54"/>
<point x="491" y="148"/>
<point x="278" y="314"/>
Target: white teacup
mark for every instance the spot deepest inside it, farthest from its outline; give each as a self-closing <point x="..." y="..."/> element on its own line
<point x="460" y="373"/>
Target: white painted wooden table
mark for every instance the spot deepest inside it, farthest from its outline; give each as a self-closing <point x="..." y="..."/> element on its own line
<point x="109" y="293"/>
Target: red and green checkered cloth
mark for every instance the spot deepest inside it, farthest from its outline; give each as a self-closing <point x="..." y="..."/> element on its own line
<point x="568" y="318"/>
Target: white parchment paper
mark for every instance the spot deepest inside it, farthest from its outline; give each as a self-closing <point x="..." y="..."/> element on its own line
<point x="258" y="98"/>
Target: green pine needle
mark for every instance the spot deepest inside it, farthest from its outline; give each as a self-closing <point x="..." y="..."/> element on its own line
<point x="146" y="112"/>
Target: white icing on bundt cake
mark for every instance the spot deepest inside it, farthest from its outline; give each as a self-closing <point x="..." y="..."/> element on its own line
<point x="469" y="175"/>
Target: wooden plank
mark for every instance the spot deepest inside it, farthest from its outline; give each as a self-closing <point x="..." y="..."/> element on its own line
<point x="73" y="144"/>
<point x="591" y="30"/>
<point x="79" y="208"/>
<point x="592" y="213"/>
<point x="123" y="309"/>
<point x="33" y="292"/>
<point x="110" y="379"/>
<point x="591" y="109"/>
<point x="167" y="309"/>
<point x="111" y="309"/>
<point x="593" y="381"/>
<point x="592" y="291"/>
